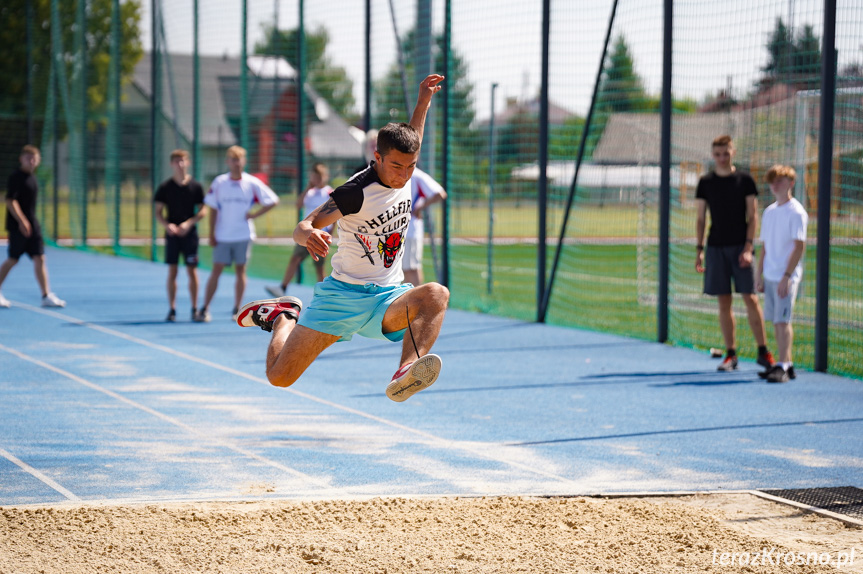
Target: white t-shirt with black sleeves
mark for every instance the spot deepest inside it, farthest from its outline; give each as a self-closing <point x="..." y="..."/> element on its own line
<point x="372" y="230"/>
<point x="233" y="198"/>
<point x="781" y="226"/>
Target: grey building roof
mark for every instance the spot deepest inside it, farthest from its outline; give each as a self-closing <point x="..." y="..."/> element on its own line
<point x="763" y="136"/>
<point x="329" y="134"/>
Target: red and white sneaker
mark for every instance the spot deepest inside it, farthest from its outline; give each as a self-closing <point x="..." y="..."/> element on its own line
<point x="414" y="377"/>
<point x="728" y="364"/>
<point x="263" y="313"/>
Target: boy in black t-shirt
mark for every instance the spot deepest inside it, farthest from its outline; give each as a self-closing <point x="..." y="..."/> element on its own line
<point x="25" y="234"/>
<point x="183" y="198"/>
<point x="731" y="197"/>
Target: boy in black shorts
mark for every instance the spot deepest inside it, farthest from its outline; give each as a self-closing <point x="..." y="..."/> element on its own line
<point x="25" y="234"/>
<point x="183" y="197"/>
<point x="731" y="196"/>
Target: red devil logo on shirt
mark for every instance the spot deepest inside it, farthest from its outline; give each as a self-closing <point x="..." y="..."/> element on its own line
<point x="389" y="249"/>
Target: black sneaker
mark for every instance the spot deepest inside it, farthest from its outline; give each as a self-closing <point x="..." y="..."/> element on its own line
<point x="766" y="360"/>
<point x="729" y="363"/>
<point x="778" y="375"/>
<point x="172" y="316"/>
<point x="791" y="374"/>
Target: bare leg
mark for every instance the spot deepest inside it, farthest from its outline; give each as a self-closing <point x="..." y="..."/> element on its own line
<point x="5" y="268"/>
<point x="192" y="270"/>
<point x="726" y="320"/>
<point x="213" y="283"/>
<point x="756" y="318"/>
<point x="426" y="305"/>
<point x="292" y="349"/>
<point x="784" y="339"/>
<point x="41" y="271"/>
<point x="172" y="286"/>
<point x="239" y="285"/>
<point x="291" y="270"/>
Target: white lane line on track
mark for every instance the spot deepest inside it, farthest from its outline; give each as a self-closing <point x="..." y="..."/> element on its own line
<point x="166" y="418"/>
<point x="433" y="439"/>
<point x="38" y="474"/>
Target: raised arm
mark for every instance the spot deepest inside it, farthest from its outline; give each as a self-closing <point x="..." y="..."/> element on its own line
<point x="428" y="87"/>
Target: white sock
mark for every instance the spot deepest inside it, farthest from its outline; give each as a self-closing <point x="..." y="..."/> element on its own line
<point x="787" y="366"/>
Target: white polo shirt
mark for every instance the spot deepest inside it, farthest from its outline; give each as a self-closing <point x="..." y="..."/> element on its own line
<point x="233" y="198"/>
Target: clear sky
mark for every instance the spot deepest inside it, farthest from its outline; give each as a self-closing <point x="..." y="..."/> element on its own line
<point x="717" y="43"/>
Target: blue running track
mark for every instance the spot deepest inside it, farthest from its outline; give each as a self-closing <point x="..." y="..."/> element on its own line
<point x="103" y="400"/>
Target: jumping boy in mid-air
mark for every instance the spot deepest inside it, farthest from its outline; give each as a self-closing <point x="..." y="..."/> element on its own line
<point x="364" y="294"/>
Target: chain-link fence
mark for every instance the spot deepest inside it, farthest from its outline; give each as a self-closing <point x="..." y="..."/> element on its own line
<point x="107" y="89"/>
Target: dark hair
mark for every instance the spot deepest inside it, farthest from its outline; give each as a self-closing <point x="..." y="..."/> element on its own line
<point x="400" y="137"/>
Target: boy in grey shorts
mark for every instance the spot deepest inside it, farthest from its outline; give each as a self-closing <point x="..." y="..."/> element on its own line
<point x="231" y="200"/>
<point x="780" y="267"/>
<point x="730" y="195"/>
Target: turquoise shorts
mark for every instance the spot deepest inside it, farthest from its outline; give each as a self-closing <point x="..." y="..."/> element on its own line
<point x="345" y="309"/>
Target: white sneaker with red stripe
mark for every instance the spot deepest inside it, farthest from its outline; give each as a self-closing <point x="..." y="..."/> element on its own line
<point x="414" y="377"/>
<point x="263" y="313"/>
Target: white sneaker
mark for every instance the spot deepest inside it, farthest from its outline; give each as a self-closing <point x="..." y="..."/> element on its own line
<point x="275" y="290"/>
<point x="4" y="302"/>
<point x="414" y="377"/>
<point x="51" y="300"/>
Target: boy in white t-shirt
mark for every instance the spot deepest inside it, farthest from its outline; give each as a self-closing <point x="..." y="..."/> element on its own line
<point x="780" y="267"/>
<point x="231" y="200"/>
<point x="317" y="193"/>
<point x="425" y="191"/>
<point x="364" y="295"/>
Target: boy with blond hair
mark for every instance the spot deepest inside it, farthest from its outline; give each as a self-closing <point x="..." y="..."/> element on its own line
<point x="231" y="199"/>
<point x="780" y="267"/>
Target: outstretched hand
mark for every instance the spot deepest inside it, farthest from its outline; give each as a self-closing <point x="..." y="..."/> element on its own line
<point x="430" y="86"/>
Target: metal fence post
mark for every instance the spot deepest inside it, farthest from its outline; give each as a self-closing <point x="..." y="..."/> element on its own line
<point x="244" y="80"/>
<point x="542" y="199"/>
<point x="445" y="164"/>
<point x="825" y="179"/>
<point x="665" y="175"/>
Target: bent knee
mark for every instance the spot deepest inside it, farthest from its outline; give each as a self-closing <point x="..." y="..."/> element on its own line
<point x="438" y="291"/>
<point x="282" y="380"/>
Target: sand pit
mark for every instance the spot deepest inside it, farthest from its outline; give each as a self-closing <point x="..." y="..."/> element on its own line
<point x="440" y="535"/>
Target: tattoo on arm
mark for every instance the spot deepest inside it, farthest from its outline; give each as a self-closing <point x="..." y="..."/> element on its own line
<point x="324" y="209"/>
<point x="329" y="207"/>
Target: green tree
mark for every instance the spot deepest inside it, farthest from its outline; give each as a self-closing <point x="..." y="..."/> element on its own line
<point x="13" y="34"/>
<point x="388" y="105"/>
<point x="330" y="81"/>
<point x="13" y="65"/>
<point x="388" y="100"/>
<point x="621" y="88"/>
<point x="796" y="60"/>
